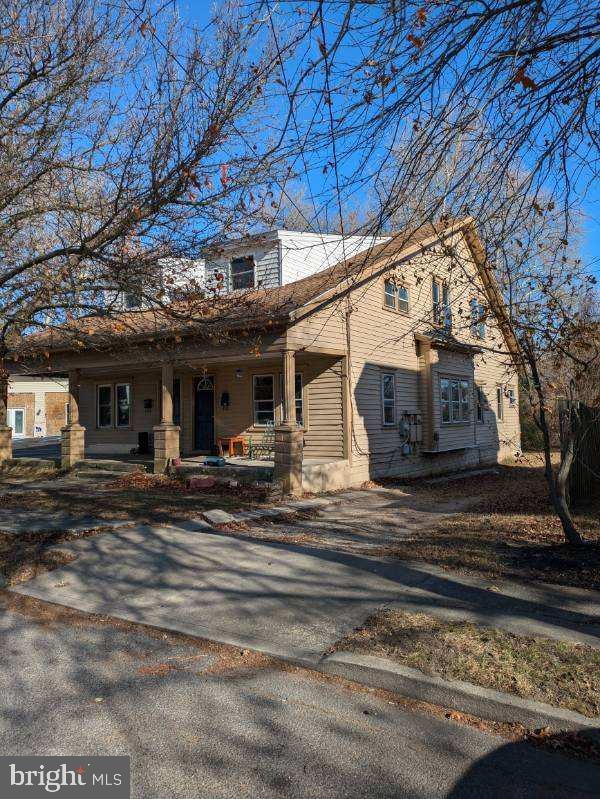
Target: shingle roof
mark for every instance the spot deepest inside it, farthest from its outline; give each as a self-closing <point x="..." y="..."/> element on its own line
<point x="260" y="308"/>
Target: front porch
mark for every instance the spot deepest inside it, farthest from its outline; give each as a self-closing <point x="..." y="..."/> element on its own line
<point x="318" y="474"/>
<point x="177" y="412"/>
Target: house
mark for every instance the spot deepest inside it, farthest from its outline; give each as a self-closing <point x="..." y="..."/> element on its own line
<point x="396" y="360"/>
<point x="37" y="406"/>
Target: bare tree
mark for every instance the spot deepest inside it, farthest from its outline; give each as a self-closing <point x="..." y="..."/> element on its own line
<point x="126" y="137"/>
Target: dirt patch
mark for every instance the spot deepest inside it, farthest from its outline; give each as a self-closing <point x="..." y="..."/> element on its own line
<point x="26" y="555"/>
<point x="510" y="530"/>
<point x="142" y="497"/>
<point x="560" y="674"/>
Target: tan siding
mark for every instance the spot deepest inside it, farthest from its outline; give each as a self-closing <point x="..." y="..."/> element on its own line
<point x="383" y="340"/>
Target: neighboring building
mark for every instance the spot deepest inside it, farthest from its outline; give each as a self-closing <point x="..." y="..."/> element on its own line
<point x="380" y="377"/>
<point x="37" y="406"/>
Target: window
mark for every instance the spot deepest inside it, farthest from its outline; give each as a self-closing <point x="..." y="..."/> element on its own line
<point x="500" y="402"/>
<point x="104" y="406"/>
<point x="389" y="294"/>
<point x="242" y="273"/>
<point x="388" y="398"/>
<point x="395" y="297"/>
<point x="477" y="319"/>
<point x="454" y="400"/>
<point x="123" y="404"/>
<point x="176" y="401"/>
<point x="264" y="400"/>
<point x="298" y="394"/>
<point x="403" y="299"/>
<point x="133" y="299"/>
<point x="512" y="397"/>
<point x="480" y="403"/>
<point x="440" y="294"/>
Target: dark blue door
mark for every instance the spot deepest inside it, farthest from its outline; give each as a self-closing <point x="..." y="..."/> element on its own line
<point x="204" y="415"/>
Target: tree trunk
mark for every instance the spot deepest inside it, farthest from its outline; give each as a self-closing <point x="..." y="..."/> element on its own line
<point x="557" y="486"/>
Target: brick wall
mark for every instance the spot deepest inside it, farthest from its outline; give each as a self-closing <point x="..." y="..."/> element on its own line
<point x="26" y="401"/>
<point x="55" y="411"/>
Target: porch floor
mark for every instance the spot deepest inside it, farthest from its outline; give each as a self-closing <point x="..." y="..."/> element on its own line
<point x="318" y="474"/>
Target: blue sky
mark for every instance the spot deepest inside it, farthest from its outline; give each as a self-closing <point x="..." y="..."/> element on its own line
<point x="199" y="12"/>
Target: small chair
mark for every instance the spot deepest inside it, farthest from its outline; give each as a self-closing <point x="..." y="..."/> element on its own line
<point x="230" y="442"/>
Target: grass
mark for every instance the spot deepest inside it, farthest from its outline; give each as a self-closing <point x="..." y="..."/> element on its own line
<point x="560" y="674"/>
<point x="510" y="531"/>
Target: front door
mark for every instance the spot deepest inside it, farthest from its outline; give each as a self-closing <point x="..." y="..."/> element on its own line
<point x="204" y="414"/>
<point x="16" y="420"/>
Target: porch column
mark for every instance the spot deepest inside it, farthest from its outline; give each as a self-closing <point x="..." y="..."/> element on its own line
<point x="289" y="441"/>
<point x="72" y="436"/>
<point x="5" y="430"/>
<point x="166" y="434"/>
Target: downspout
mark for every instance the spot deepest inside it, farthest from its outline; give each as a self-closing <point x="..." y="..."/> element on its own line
<point x="350" y="401"/>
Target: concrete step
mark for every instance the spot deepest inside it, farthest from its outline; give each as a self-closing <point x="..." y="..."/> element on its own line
<point x="93" y="466"/>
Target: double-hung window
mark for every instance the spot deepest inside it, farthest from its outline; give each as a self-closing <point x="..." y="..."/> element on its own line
<point x="242" y="273"/>
<point x="123" y="404"/>
<point x="500" y="402"/>
<point x="263" y="398"/>
<point x="113" y="405"/>
<point x="440" y="295"/>
<point x="512" y="397"/>
<point x="477" y="319"/>
<point x="298" y="398"/>
<point x="454" y="400"/>
<point x="480" y="403"/>
<point x="388" y="398"/>
<point x="104" y="405"/>
<point x="395" y="296"/>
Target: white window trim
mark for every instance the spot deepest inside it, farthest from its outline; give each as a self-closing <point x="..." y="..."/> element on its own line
<point x="512" y="396"/>
<point x="478" y="328"/>
<point x="396" y="306"/>
<point x="116" y="415"/>
<point x="11" y="413"/>
<point x="254" y="401"/>
<point x="384" y="400"/>
<point x="456" y="379"/>
<point x="442" y="311"/>
<point x="112" y="409"/>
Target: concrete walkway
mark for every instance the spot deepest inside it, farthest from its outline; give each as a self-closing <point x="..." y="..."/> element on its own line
<point x="290" y="601"/>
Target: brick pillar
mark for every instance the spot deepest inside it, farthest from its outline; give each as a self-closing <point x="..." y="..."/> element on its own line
<point x="166" y="434"/>
<point x="5" y="430"/>
<point x="289" y="441"/>
<point x="72" y="436"/>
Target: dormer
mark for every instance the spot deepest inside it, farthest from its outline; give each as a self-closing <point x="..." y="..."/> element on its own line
<point x="277" y="257"/>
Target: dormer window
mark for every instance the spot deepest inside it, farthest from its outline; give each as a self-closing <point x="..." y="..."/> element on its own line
<point x="242" y="273"/>
<point x="395" y="296"/>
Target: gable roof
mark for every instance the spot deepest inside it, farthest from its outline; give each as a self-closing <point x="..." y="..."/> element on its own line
<point x="265" y="309"/>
